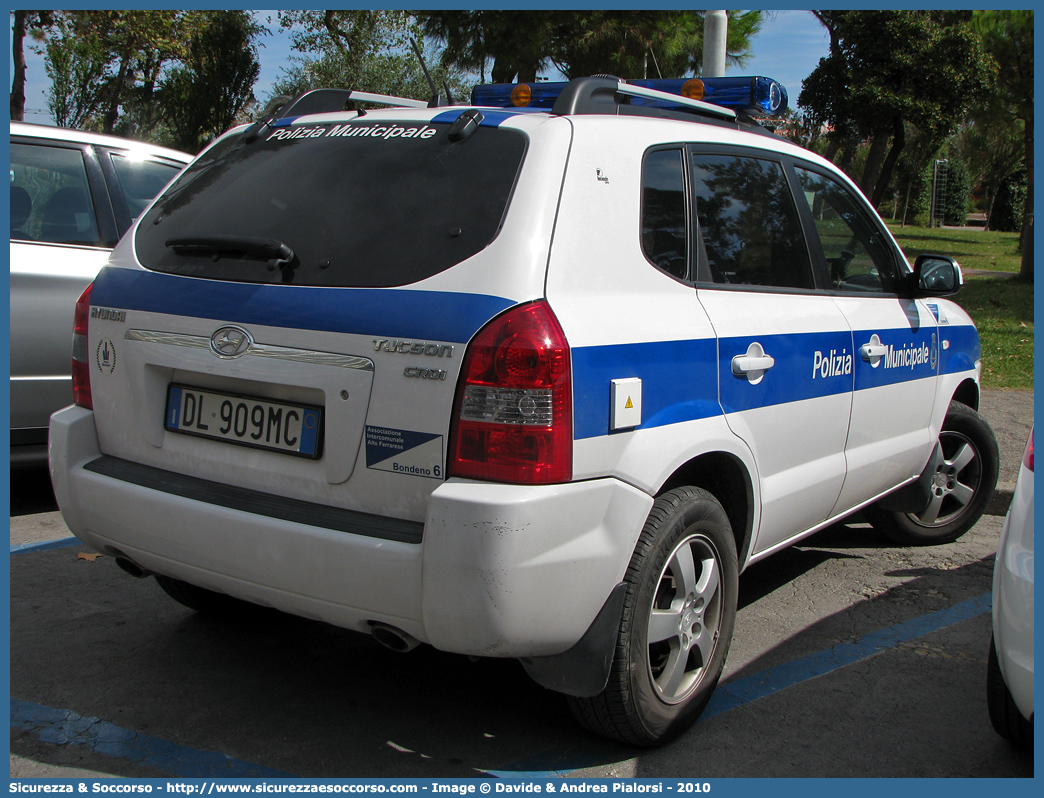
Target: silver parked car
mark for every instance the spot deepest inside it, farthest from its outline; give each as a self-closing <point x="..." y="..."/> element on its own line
<point x="73" y="194"/>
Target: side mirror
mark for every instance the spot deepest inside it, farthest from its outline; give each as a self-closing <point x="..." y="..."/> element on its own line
<point x="936" y="275"/>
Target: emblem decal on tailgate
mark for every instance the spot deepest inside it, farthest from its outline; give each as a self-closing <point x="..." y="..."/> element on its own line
<point x="105" y="356"/>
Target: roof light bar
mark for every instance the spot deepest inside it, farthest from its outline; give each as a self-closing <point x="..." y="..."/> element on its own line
<point x="534" y="96"/>
<point x="757" y="95"/>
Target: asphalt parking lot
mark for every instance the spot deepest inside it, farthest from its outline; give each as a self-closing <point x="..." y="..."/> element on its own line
<point x="851" y="658"/>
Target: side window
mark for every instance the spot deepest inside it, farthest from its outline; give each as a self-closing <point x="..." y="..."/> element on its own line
<point x="50" y="197"/>
<point x="748" y="223"/>
<point x="857" y="252"/>
<point x="664" y="233"/>
<point x="141" y="180"/>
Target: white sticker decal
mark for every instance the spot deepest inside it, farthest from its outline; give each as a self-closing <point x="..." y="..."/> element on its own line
<point x="404" y="452"/>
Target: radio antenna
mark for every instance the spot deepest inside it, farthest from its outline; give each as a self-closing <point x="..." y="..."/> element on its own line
<point x="436" y="100"/>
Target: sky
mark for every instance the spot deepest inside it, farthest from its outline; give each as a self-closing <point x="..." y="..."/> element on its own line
<point x="787" y="49"/>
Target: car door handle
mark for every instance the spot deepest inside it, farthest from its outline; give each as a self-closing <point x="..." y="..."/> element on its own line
<point x="753" y="364"/>
<point x="874" y="350"/>
<point x="742" y="364"/>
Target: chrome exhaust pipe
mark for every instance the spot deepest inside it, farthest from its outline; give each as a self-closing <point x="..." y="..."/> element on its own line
<point x="395" y="639"/>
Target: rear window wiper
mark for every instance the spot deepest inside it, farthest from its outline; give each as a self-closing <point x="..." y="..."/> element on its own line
<point x="275" y="254"/>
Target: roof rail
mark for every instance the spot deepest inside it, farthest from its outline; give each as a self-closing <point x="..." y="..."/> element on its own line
<point x="324" y="101"/>
<point x="655" y="94"/>
<point x="607" y="95"/>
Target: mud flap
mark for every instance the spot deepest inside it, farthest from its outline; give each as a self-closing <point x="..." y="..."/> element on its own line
<point x="583" y="670"/>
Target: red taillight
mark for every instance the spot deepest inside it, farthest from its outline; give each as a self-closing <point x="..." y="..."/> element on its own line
<point x="513" y="418"/>
<point x="81" y="374"/>
<point x="1027" y="459"/>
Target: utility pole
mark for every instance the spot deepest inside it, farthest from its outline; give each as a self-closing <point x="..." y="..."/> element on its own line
<point x="715" y="31"/>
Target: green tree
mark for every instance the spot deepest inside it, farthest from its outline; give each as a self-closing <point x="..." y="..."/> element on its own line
<point x="366" y="50"/>
<point x="397" y="74"/>
<point x="514" y="43"/>
<point x="640" y="44"/>
<point x="356" y="36"/>
<point x="1009" y="208"/>
<point x="958" y="190"/>
<point x="76" y="65"/>
<point x="517" y="45"/>
<point x="888" y="70"/>
<point x="1008" y="37"/>
<point x="127" y="50"/>
<point x="994" y="150"/>
<point x="203" y="97"/>
<point x="24" y="23"/>
<point x="913" y="175"/>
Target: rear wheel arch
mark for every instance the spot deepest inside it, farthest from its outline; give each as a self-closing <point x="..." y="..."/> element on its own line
<point x="727" y="478"/>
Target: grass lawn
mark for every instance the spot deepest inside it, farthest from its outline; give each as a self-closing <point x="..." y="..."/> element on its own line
<point x="1003" y="312"/>
<point x="973" y="248"/>
<point x="1002" y="308"/>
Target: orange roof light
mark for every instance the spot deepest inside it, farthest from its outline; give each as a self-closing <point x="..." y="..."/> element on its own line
<point x="693" y="89"/>
<point x="521" y="95"/>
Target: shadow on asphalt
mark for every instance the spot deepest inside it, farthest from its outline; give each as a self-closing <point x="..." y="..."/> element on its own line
<point x="31" y="491"/>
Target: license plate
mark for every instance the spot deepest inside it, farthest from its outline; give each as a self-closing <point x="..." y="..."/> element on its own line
<point x="246" y="420"/>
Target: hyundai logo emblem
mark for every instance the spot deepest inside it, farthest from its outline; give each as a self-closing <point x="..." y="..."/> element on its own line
<point x="229" y="342"/>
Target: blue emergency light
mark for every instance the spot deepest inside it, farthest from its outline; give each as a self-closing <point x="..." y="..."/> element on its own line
<point x="757" y="95"/>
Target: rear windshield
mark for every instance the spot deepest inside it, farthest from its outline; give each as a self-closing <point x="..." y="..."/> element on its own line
<point x="357" y="204"/>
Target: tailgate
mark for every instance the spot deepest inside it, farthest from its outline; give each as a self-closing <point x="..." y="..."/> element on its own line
<point x="337" y="396"/>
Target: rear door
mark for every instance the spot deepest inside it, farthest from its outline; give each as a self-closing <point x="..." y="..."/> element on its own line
<point x="785" y="357"/>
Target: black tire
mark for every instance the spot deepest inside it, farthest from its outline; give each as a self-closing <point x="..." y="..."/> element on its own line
<point x="207" y="602"/>
<point x="1004" y="715"/>
<point x="962" y="485"/>
<point x="686" y="541"/>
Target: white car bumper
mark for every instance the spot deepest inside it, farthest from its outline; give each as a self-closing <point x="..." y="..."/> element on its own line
<point x="498" y="570"/>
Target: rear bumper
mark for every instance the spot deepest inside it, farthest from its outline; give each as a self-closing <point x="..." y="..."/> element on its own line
<point x="495" y="570"/>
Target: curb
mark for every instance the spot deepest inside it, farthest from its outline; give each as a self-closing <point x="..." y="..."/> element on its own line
<point x="1001" y="499"/>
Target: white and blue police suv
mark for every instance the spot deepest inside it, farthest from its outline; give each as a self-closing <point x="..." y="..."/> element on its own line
<point x="535" y="377"/>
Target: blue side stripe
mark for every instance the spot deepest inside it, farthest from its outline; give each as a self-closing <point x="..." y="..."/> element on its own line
<point x="680" y="379"/>
<point x="916" y="356"/>
<point x="792" y="378"/>
<point x="489" y="118"/>
<point x="964" y="348"/>
<point x="678" y="382"/>
<point x="394" y="313"/>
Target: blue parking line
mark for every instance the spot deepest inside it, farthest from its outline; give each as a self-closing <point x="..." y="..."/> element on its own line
<point x="759" y="685"/>
<point x="733" y="694"/>
<point x="63" y="727"/>
<point x="47" y="545"/>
